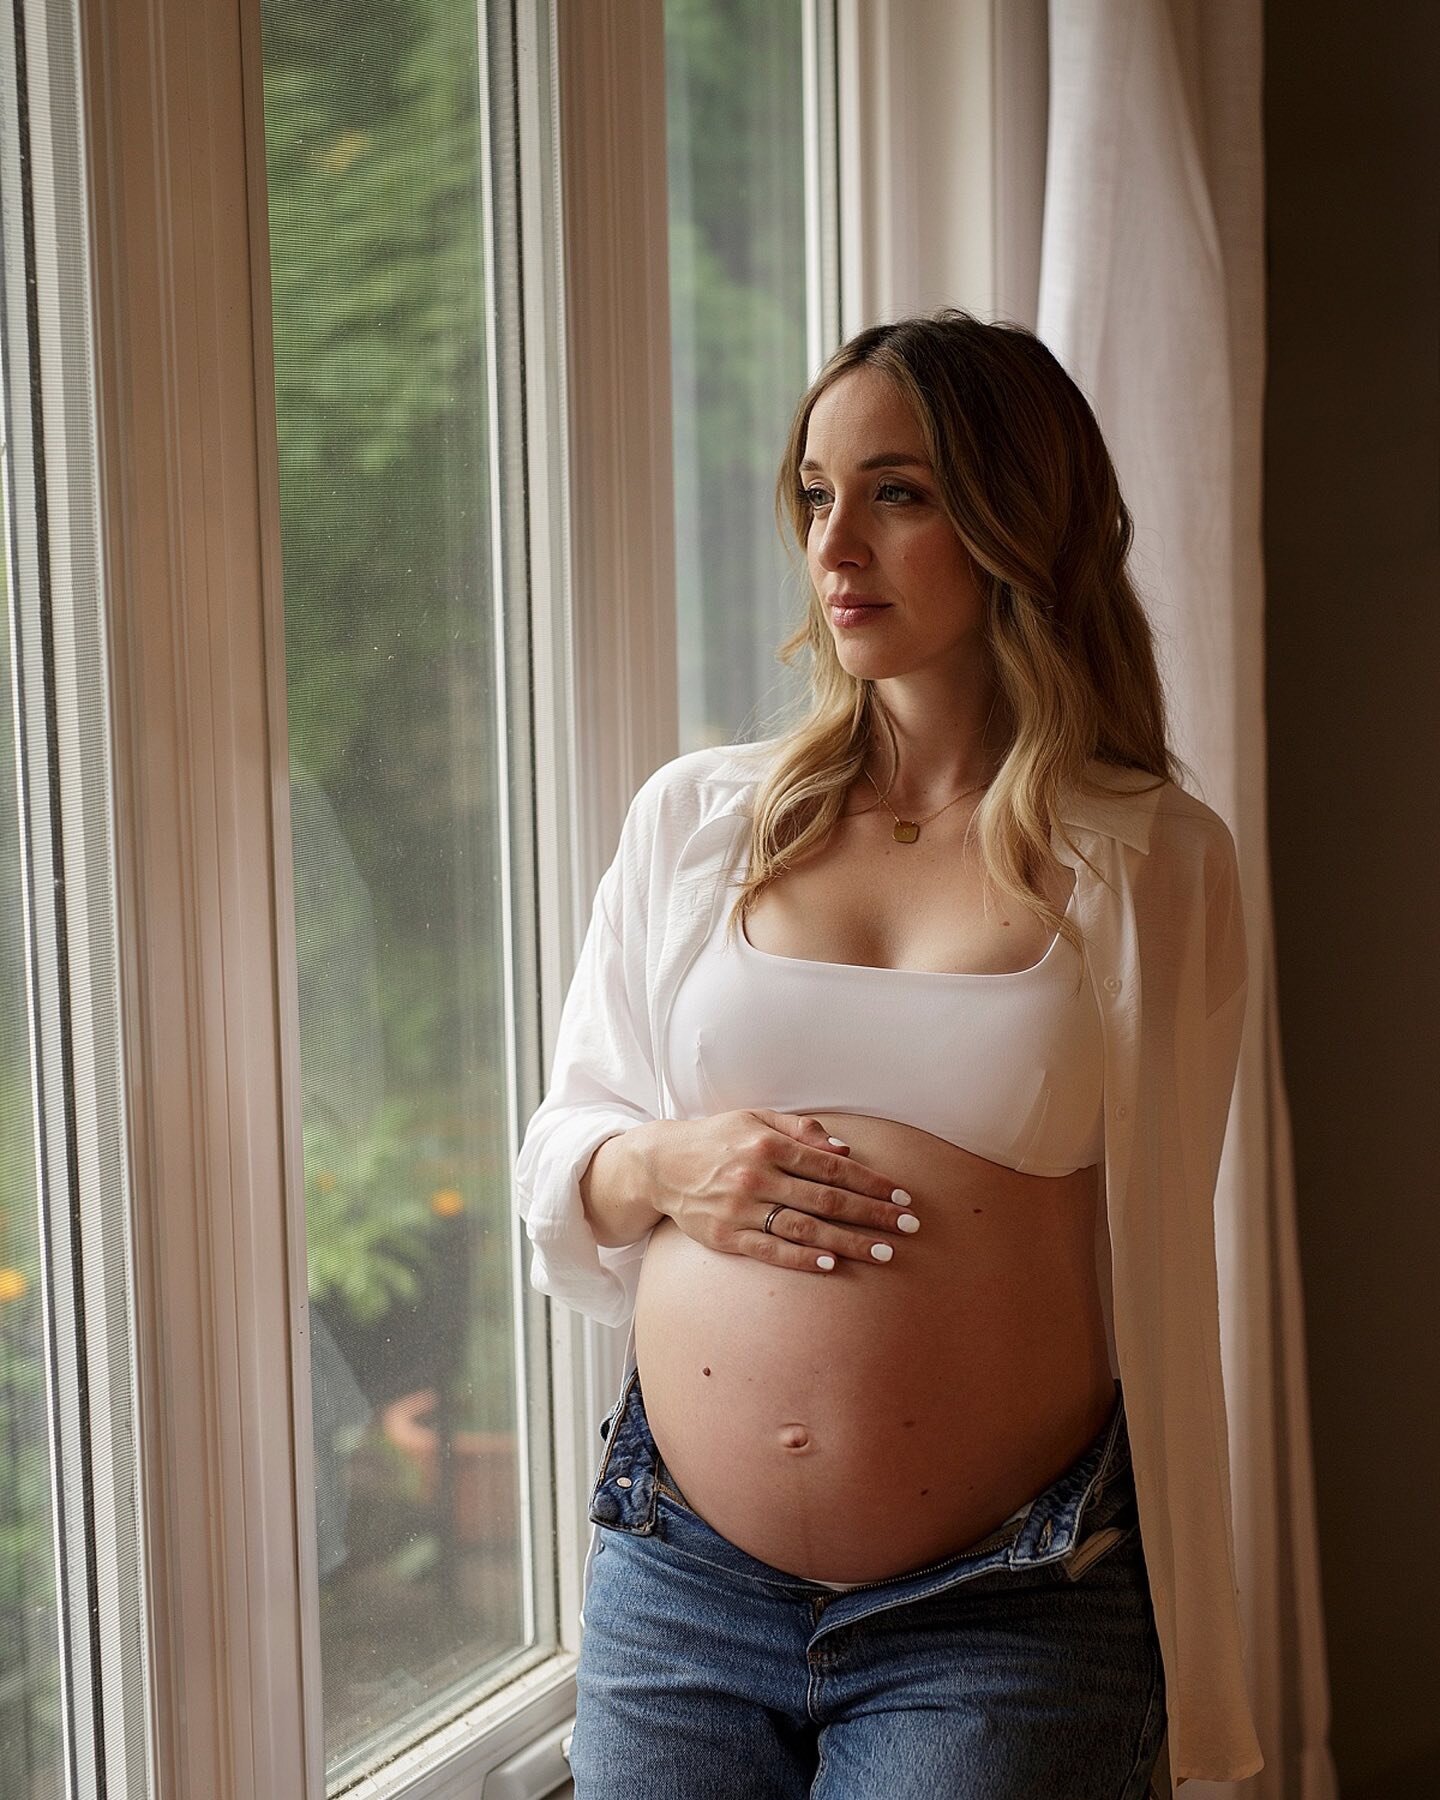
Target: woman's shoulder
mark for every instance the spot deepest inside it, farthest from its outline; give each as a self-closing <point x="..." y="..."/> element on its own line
<point x="713" y="773"/>
<point x="695" y="789"/>
<point x="1149" y="810"/>
<point x="1185" y="822"/>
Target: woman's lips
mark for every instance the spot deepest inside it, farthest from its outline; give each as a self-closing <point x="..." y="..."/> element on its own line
<point x="857" y="615"/>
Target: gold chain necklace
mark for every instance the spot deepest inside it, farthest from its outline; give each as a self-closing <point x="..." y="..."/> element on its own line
<point x="906" y="831"/>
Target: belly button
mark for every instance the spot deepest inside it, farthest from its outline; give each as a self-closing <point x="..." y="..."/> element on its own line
<point x="795" y="1437"/>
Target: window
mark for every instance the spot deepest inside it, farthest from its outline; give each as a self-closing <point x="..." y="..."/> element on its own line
<point x="395" y="273"/>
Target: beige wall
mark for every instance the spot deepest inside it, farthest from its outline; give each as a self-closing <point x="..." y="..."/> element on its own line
<point x="1352" y="546"/>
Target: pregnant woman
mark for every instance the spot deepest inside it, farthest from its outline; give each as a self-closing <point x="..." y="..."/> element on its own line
<point x="886" y="1109"/>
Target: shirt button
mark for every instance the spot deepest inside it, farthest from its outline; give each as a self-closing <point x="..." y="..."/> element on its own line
<point x="1113" y="983"/>
<point x="1122" y="1111"/>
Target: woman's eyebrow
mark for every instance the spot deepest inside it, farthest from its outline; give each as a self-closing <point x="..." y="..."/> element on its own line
<point x="887" y="459"/>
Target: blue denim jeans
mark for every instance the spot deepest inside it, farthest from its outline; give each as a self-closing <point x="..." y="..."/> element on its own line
<point x="1024" y="1667"/>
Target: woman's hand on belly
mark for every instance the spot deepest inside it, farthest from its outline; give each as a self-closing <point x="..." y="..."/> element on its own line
<point x="718" y="1178"/>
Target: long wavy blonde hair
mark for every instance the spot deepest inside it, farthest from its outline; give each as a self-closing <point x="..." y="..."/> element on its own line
<point x="1028" y="485"/>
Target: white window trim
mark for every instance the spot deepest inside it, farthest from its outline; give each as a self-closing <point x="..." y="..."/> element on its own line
<point x="197" y="772"/>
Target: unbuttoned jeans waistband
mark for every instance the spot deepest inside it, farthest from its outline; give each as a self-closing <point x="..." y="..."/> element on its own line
<point x="1095" y="1493"/>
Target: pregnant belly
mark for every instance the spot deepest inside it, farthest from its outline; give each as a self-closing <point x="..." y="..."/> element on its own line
<point x="855" y="1425"/>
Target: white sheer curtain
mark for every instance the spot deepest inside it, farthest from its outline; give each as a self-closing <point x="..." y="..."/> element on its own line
<point x="1152" y="295"/>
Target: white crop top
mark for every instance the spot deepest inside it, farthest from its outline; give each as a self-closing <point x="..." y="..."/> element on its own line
<point x="1009" y="1066"/>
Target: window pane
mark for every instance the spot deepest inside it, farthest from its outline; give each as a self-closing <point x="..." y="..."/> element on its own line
<point x="392" y="426"/>
<point x="739" y="287"/>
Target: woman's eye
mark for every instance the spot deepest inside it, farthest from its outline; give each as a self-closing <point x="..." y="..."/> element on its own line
<point x="816" y="496"/>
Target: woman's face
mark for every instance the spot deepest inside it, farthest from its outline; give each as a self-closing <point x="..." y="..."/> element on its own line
<point x="877" y="530"/>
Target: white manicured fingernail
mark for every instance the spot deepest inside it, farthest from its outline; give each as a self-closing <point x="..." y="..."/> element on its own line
<point x="908" y="1222"/>
<point x="901" y="1198"/>
<point x="882" y="1252"/>
<point x="825" y="1262"/>
<point x="839" y="1143"/>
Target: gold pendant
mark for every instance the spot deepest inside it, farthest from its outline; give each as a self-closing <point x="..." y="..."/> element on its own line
<point x="906" y="831"/>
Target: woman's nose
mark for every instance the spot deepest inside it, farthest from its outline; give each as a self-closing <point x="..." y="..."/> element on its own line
<point x="842" y="540"/>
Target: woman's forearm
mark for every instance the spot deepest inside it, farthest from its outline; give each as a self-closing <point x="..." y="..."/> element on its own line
<point x="615" y="1187"/>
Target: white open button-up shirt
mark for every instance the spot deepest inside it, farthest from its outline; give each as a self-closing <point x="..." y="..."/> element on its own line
<point x="1164" y="924"/>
